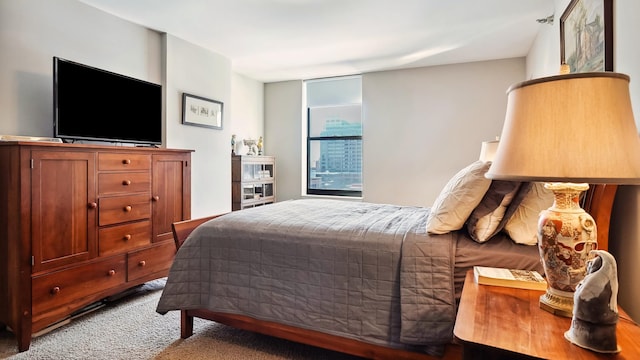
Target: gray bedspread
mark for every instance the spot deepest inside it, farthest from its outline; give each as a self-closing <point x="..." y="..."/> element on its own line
<point x="358" y="270"/>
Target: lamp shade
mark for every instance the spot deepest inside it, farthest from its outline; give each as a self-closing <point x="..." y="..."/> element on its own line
<point x="569" y="128"/>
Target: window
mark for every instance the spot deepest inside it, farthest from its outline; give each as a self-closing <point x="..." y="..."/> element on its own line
<point x="334" y="136"/>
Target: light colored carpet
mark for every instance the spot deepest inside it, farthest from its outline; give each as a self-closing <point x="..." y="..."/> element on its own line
<point x="131" y="329"/>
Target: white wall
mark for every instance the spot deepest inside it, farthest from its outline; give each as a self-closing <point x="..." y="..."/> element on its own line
<point x="544" y="60"/>
<point x="247" y="104"/>
<point x="420" y="127"/>
<point x="423" y="125"/>
<point x="626" y="227"/>
<point x="283" y="129"/>
<point x="194" y="70"/>
<point x="544" y="56"/>
<point x="33" y="31"/>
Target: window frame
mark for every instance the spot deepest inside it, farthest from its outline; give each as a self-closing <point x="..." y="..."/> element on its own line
<point x="328" y="192"/>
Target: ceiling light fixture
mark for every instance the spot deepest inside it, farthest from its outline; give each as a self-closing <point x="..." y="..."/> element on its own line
<point x="548" y="20"/>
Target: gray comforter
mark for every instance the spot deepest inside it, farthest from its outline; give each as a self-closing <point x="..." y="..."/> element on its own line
<point x="364" y="271"/>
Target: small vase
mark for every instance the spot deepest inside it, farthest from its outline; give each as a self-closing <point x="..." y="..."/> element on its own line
<point x="566" y="235"/>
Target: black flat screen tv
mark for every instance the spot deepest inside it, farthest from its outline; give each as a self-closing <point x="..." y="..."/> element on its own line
<point x="99" y="105"/>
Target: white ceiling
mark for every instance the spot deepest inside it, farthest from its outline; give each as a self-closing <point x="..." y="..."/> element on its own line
<point x="275" y="40"/>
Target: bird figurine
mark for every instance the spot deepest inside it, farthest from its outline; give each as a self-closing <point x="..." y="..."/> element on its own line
<point x="595" y="306"/>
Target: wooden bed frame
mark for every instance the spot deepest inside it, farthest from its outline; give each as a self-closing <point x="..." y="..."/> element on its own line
<point x="598" y="202"/>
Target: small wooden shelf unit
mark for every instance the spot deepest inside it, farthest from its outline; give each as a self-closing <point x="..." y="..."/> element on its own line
<point x="252" y="181"/>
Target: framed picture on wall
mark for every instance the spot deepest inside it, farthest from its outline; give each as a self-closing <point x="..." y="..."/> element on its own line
<point x="586" y="36"/>
<point x="200" y="111"/>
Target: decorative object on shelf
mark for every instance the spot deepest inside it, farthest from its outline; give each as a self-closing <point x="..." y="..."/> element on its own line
<point x="251" y="143"/>
<point x="488" y="149"/>
<point x="568" y="129"/>
<point x="260" y="145"/>
<point x="233" y="144"/>
<point x="200" y="111"/>
<point x="586" y="35"/>
<point x="595" y="309"/>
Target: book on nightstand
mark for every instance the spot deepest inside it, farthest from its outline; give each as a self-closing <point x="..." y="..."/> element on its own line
<point x="521" y="279"/>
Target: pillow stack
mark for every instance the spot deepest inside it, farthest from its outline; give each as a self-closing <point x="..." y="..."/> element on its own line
<point x="487" y="207"/>
<point x="490" y="216"/>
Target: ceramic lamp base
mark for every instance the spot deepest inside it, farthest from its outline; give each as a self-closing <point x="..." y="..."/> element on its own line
<point x="566" y="235"/>
<point x="557" y="305"/>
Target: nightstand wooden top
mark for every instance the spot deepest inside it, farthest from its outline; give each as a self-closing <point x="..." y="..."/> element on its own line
<point x="511" y="320"/>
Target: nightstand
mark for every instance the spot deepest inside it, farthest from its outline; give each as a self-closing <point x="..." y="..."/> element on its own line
<point x="504" y="323"/>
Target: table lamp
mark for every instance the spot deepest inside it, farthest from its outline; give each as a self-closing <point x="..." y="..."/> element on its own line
<point x="568" y="131"/>
<point x="488" y="150"/>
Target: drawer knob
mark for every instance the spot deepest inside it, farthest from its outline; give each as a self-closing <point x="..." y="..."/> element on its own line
<point x="142" y="263"/>
<point x="126" y="161"/>
<point x="111" y="272"/>
<point x="127" y="208"/>
<point x="55" y="290"/>
<point x="156" y="198"/>
<point x="127" y="237"/>
<point x="92" y="205"/>
<point x="126" y="182"/>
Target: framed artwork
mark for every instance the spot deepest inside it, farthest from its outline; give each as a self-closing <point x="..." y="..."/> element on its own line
<point x="203" y="112"/>
<point x="586" y="36"/>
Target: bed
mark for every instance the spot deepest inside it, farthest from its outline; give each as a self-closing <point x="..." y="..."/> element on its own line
<point x="374" y="280"/>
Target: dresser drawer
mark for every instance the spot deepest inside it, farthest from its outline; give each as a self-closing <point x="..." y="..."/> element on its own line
<point x="119" y="209"/>
<point x="124" y="182"/>
<point x="59" y="289"/>
<point x="154" y="260"/>
<point x="123" y="238"/>
<point x="123" y="161"/>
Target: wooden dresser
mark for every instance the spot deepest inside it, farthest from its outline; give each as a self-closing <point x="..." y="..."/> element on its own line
<point x="79" y="223"/>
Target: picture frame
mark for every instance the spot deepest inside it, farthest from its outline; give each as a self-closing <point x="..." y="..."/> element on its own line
<point x="586" y="36"/>
<point x="200" y="111"/>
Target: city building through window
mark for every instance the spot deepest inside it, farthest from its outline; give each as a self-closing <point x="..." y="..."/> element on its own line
<point x="334" y="136"/>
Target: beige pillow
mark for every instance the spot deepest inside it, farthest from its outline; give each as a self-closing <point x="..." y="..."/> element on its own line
<point x="522" y="227"/>
<point x="458" y="198"/>
<point x="486" y="219"/>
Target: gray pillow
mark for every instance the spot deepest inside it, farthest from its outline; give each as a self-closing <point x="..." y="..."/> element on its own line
<point x="488" y="218"/>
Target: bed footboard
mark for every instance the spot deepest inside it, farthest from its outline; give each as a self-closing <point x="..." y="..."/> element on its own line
<point x="182" y="229"/>
<point x="310" y="337"/>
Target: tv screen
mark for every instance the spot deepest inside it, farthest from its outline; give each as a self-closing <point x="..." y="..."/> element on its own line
<point x="98" y="105"/>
